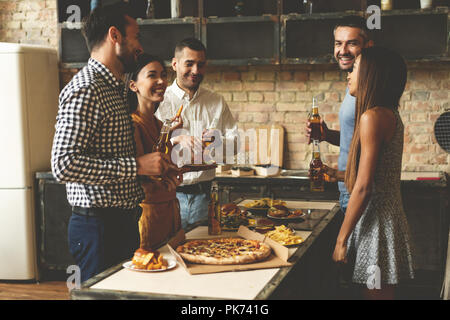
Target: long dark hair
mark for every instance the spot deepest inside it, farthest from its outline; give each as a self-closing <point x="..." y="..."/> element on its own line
<point x="381" y="82"/>
<point x="142" y="60"/>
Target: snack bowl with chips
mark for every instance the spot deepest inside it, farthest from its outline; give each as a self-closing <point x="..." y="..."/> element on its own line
<point x="284" y="236"/>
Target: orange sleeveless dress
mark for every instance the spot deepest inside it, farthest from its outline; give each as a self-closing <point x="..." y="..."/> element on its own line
<point x="160" y="218"/>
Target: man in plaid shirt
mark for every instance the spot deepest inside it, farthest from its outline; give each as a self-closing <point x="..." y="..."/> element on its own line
<point x="93" y="148"/>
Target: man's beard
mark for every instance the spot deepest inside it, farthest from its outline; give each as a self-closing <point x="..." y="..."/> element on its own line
<point x="192" y="85"/>
<point x="128" y="62"/>
<point x="127" y="58"/>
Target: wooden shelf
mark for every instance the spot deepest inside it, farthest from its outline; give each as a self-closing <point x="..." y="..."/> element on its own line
<point x="419" y="35"/>
<point x="242" y="40"/>
<point x="160" y="36"/>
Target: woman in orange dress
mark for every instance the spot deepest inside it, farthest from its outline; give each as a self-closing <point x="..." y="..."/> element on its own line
<point x="160" y="218"/>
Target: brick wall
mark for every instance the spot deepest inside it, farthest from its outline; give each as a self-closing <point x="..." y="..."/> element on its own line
<point x="283" y="95"/>
<point x="29" y="21"/>
<point x="280" y="94"/>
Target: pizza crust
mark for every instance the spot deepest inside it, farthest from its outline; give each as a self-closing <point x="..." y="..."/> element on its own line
<point x="224" y="251"/>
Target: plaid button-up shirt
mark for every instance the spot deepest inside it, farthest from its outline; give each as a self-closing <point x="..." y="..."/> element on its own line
<point x="93" y="148"/>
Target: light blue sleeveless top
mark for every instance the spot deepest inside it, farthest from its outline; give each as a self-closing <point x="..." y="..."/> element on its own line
<point x="347" y="126"/>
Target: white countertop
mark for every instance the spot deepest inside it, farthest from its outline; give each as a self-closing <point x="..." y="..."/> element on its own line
<point x="243" y="285"/>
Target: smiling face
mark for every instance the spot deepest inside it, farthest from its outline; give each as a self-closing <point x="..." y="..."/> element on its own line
<point x="150" y="84"/>
<point x="352" y="77"/>
<point x="348" y="43"/>
<point x="190" y="66"/>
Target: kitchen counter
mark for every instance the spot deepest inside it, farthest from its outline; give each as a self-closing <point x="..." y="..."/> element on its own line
<point x="428" y="177"/>
<point x="295" y="184"/>
<point x="426" y="204"/>
<point x="291" y="282"/>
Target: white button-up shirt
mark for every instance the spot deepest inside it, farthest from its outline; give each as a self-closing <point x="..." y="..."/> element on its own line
<point x="205" y="110"/>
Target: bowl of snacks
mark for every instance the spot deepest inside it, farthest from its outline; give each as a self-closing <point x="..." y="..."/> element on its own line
<point x="284" y="236"/>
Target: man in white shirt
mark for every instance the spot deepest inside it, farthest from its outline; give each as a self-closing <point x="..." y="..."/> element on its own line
<point x="202" y="110"/>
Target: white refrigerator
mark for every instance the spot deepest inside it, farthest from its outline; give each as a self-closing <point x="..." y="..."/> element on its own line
<point x="29" y="89"/>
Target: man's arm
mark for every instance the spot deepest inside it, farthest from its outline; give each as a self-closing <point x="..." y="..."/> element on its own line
<point x="328" y="135"/>
<point x="78" y="119"/>
<point x="333" y="137"/>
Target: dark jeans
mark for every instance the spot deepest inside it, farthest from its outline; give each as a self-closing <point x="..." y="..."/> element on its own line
<point x="103" y="240"/>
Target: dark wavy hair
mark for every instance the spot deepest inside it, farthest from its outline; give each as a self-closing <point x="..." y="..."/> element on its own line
<point x="142" y="60"/>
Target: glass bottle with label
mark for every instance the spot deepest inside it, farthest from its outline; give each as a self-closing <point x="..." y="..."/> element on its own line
<point x="316" y="172"/>
<point x="387" y="5"/>
<point x="314" y="120"/>
<point x="209" y="138"/>
<point x="239" y="8"/>
<point x="163" y="140"/>
<point x="150" y="12"/>
<point x="307" y="7"/>
<point x="214" y="213"/>
<point x="162" y="144"/>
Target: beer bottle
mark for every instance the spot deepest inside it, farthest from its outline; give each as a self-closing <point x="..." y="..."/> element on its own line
<point x="239" y="8"/>
<point x="209" y="138"/>
<point x="150" y="12"/>
<point x="163" y="140"/>
<point x="314" y="120"/>
<point x="316" y="172"/>
<point x="214" y="213"/>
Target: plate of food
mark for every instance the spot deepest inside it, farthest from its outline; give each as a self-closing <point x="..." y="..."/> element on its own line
<point x="150" y="261"/>
<point x="232" y="217"/>
<point x="284" y="236"/>
<point x="283" y="213"/>
<point x="224" y="251"/>
<point x="261" y="206"/>
<point x="262" y="225"/>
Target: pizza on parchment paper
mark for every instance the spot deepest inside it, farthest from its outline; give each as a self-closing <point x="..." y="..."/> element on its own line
<point x="224" y="251"/>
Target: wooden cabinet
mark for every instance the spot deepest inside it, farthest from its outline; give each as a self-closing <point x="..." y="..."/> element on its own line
<point x="160" y="36"/>
<point x="52" y="219"/>
<point x="418" y="35"/>
<point x="272" y="31"/>
<point x="242" y="40"/>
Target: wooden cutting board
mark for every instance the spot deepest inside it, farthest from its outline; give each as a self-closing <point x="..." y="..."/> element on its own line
<point x="269" y="145"/>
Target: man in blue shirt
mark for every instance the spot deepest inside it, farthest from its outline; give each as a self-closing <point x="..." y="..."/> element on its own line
<point x="350" y="37"/>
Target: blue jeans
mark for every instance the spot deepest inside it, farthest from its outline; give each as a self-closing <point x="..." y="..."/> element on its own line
<point x="193" y="207"/>
<point x="100" y="242"/>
